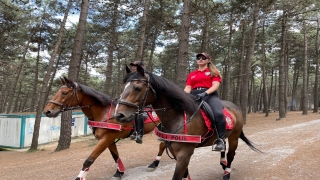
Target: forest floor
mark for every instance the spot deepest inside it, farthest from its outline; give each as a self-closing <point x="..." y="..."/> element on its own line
<point x="291" y="149"/>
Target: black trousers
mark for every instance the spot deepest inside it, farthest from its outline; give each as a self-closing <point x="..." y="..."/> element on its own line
<point x="216" y="106"/>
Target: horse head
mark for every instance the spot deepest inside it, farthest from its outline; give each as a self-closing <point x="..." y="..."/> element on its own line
<point x="65" y="98"/>
<point x="136" y="94"/>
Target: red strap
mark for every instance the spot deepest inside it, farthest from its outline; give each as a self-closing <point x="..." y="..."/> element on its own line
<point x="178" y="137"/>
<point x="104" y="125"/>
<point x="109" y="113"/>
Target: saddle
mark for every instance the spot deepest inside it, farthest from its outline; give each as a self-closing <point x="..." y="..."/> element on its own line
<point x="208" y="114"/>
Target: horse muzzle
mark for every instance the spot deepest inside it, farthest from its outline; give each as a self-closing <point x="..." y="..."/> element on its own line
<point x="50" y="113"/>
<point x="120" y="117"/>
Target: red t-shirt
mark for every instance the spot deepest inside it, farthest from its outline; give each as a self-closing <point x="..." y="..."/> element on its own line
<point x="201" y="79"/>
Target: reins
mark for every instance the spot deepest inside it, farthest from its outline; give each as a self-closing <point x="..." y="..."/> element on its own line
<point x="190" y="118"/>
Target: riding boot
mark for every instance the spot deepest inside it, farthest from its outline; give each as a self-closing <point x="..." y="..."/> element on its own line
<point x="221" y="143"/>
<point x="139" y="129"/>
<point x="139" y="136"/>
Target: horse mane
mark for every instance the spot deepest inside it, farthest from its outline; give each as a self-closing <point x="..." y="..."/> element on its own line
<point x="100" y="97"/>
<point x="175" y="94"/>
<point x="177" y="97"/>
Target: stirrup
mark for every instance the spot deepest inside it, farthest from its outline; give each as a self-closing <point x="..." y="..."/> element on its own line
<point x="132" y="137"/>
<point x="214" y="146"/>
<point x="138" y="140"/>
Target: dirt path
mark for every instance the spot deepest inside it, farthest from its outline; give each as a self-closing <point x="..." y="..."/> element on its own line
<point x="291" y="148"/>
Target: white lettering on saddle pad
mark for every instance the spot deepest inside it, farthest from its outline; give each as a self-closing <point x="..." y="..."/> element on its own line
<point x="228" y="120"/>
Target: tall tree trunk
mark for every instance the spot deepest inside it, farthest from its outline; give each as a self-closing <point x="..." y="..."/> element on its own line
<point x="205" y="38"/>
<point x="74" y="70"/>
<point x="112" y="45"/>
<point x="44" y="88"/>
<point x="153" y="46"/>
<point x="86" y="73"/>
<point x="275" y="92"/>
<point x="246" y="77"/>
<point x="226" y="83"/>
<point x="15" y="109"/>
<point x="316" y="94"/>
<point x="251" y="93"/>
<point x="294" y="85"/>
<point x="282" y="98"/>
<point x="53" y="74"/>
<point x="181" y="74"/>
<point x="264" y="84"/>
<point x="286" y="76"/>
<point x="35" y="83"/>
<point x="305" y="73"/>
<point x="257" y="98"/>
<point x="139" y="53"/>
<point x="3" y="93"/>
<point x="241" y="63"/>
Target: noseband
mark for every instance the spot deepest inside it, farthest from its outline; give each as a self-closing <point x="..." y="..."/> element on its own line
<point x="141" y="105"/>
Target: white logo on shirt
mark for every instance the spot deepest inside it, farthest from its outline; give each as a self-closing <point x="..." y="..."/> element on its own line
<point x="207" y="73"/>
<point x="193" y="76"/>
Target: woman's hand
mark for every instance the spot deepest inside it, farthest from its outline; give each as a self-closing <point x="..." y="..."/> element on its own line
<point x="201" y="95"/>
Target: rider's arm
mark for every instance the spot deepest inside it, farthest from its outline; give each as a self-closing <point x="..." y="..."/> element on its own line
<point x="187" y="89"/>
<point x="214" y="87"/>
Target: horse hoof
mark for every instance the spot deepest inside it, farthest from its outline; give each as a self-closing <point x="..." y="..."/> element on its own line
<point x="116" y="178"/>
<point x="153" y="166"/>
<point x="226" y="177"/>
<point x="150" y="169"/>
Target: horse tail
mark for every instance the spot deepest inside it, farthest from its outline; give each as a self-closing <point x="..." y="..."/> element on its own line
<point x="248" y="142"/>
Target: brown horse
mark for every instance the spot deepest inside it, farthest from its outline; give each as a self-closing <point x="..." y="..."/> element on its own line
<point x="97" y="107"/>
<point x="182" y="122"/>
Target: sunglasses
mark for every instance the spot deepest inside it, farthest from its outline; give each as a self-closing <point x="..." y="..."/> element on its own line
<point x="202" y="57"/>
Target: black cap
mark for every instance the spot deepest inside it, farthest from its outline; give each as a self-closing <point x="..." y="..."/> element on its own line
<point x="203" y="54"/>
<point x="137" y="63"/>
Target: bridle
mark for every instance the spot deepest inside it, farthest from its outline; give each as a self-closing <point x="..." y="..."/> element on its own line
<point x="142" y="103"/>
<point x="66" y="105"/>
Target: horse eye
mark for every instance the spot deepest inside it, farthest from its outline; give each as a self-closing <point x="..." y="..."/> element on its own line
<point x="137" y="88"/>
<point x="65" y="93"/>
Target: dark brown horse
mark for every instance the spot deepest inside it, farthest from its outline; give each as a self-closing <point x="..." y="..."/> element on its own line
<point x="98" y="107"/>
<point x="182" y="122"/>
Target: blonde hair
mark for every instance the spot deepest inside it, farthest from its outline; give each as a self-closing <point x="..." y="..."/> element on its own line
<point x="213" y="70"/>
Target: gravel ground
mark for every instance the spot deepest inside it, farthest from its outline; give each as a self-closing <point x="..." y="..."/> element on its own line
<point x="290" y="145"/>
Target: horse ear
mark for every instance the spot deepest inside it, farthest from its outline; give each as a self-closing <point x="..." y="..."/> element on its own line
<point x="128" y="70"/>
<point x="72" y="84"/>
<point x="140" y="70"/>
<point x="62" y="81"/>
<point x="67" y="81"/>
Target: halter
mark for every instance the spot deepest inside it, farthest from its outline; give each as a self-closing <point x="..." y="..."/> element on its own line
<point x="141" y="105"/>
<point x="64" y="106"/>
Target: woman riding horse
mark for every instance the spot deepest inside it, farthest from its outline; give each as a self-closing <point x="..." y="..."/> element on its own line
<point x="183" y="124"/>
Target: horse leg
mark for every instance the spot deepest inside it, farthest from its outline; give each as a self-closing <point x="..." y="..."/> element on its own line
<point x="223" y="161"/>
<point x="233" y="144"/>
<point x="183" y="156"/>
<point x="156" y="161"/>
<point x="100" y="147"/>
<point x="120" y="167"/>
<point x="186" y="175"/>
